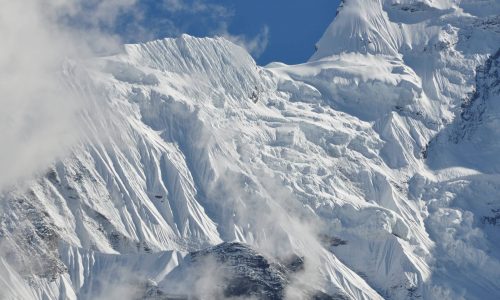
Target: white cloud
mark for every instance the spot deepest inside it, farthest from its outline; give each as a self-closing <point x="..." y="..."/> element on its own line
<point x="197" y="6"/>
<point x="37" y="110"/>
<point x="30" y="122"/>
<point x="255" y="45"/>
<point x="174" y="5"/>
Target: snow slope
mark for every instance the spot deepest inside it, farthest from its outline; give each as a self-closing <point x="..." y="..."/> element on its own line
<point x="374" y="161"/>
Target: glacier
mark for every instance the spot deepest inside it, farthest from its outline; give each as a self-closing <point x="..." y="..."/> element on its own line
<point x="374" y="164"/>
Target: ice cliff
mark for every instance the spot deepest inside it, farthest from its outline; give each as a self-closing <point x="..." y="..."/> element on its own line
<point x="373" y="166"/>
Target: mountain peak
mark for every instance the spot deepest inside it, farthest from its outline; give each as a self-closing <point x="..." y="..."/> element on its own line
<point x="390" y="27"/>
<point x="196" y="163"/>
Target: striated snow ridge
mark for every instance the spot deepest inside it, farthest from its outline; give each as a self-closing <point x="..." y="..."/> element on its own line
<point x="372" y="164"/>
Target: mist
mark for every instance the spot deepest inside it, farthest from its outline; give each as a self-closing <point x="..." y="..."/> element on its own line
<point x="40" y="122"/>
<point x="38" y="110"/>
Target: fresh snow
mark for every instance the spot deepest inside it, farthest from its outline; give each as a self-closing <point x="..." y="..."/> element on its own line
<point x="375" y="161"/>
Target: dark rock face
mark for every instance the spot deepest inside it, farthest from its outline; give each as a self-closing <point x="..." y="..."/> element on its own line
<point x="293" y="263"/>
<point x="323" y="296"/>
<point x="236" y="271"/>
<point x="474" y="108"/>
<point x="247" y="272"/>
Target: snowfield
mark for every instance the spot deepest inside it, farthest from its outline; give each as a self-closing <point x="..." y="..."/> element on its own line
<point x="369" y="172"/>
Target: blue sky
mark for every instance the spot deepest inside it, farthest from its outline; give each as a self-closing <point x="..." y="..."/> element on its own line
<point x="273" y="30"/>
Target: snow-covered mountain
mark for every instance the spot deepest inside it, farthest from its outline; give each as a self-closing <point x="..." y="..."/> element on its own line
<point x="368" y="172"/>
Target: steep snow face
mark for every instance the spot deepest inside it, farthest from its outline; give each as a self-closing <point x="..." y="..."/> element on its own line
<point x="191" y="145"/>
<point x="448" y="48"/>
<point x="339" y="161"/>
<point x="475" y="131"/>
<point x="394" y="27"/>
<point x="463" y="204"/>
<point x="441" y="41"/>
